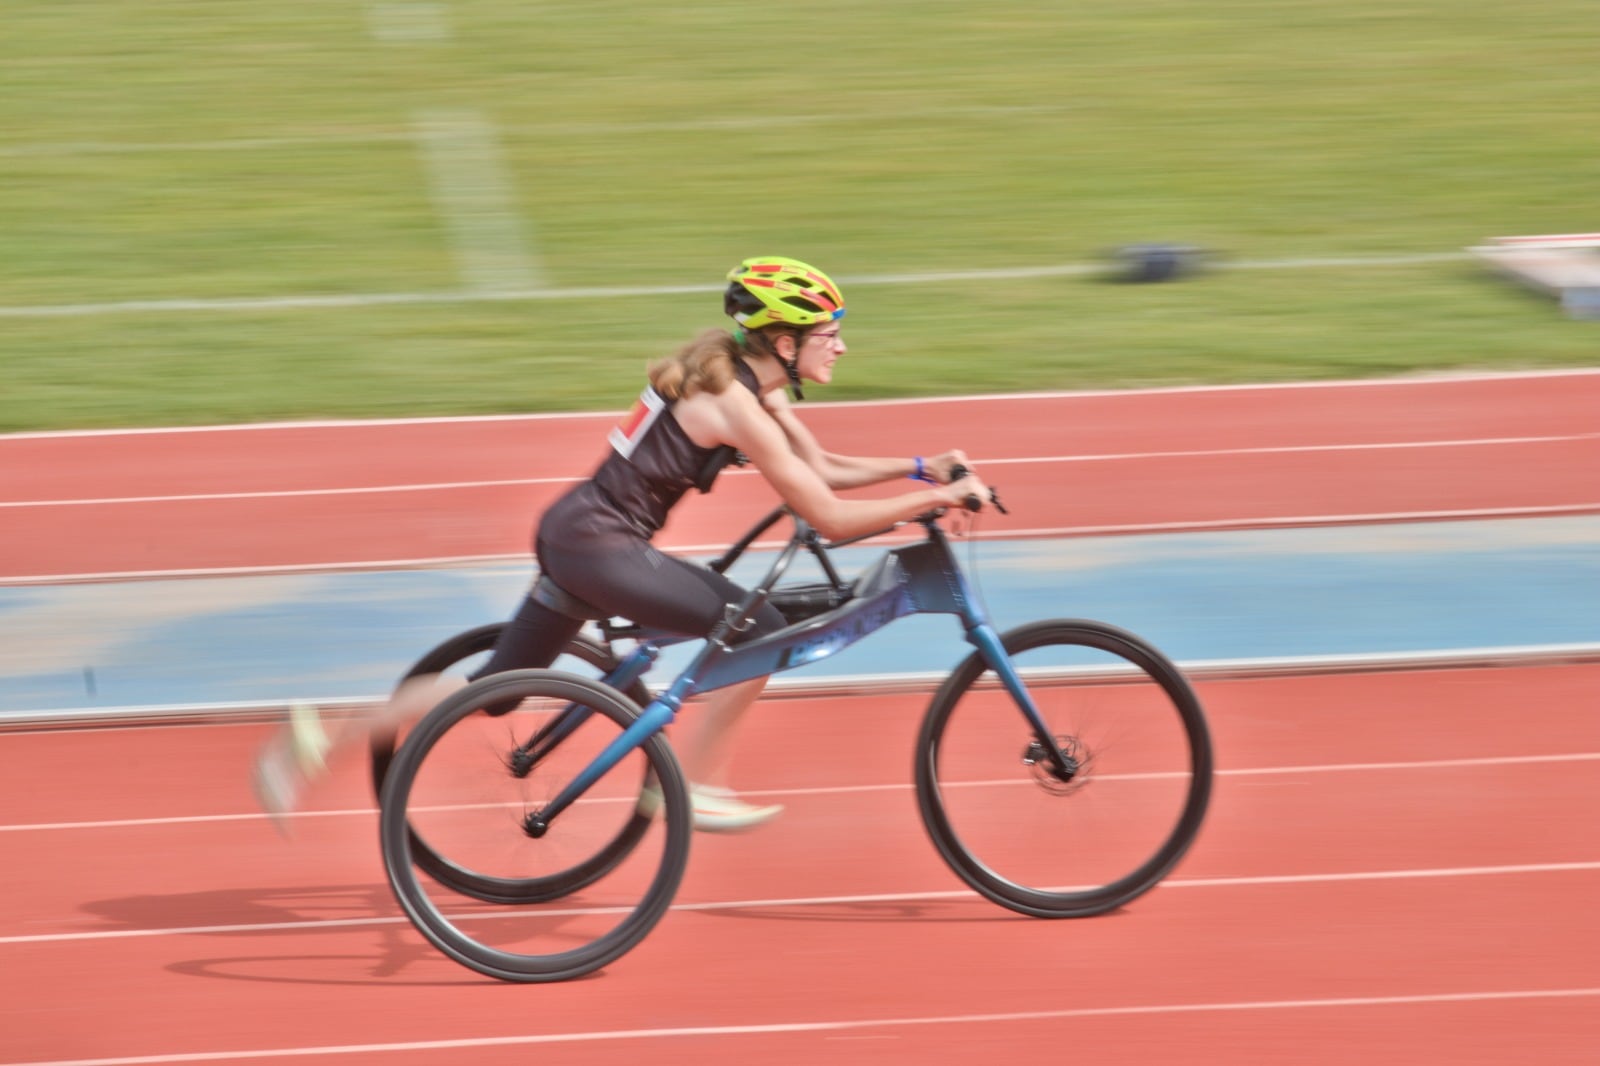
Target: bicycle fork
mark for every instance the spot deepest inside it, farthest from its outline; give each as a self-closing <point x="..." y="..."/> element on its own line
<point x="1061" y="766"/>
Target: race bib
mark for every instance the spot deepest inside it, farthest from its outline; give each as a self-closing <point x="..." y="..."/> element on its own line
<point x="627" y="434"/>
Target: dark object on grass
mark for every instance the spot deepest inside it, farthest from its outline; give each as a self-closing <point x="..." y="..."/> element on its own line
<point x="1156" y="262"/>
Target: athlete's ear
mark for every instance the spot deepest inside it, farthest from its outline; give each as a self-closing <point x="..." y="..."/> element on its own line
<point x="784" y="345"/>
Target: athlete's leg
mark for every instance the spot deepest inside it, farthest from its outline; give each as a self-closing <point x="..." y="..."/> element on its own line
<point x="707" y="751"/>
<point x="662" y="592"/>
<point x="298" y="753"/>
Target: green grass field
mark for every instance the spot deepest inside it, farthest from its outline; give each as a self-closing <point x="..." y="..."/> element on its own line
<point x="519" y="205"/>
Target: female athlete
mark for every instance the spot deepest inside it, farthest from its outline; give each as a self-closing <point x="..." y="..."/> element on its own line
<point x="722" y="393"/>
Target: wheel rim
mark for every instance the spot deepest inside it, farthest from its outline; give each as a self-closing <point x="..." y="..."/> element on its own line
<point x="460" y="655"/>
<point x="451" y="783"/>
<point x="1027" y="837"/>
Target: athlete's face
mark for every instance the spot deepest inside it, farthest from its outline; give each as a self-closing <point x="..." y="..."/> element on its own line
<point x="819" y="350"/>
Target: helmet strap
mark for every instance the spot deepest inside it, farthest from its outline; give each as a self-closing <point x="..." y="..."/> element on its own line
<point x="792" y="368"/>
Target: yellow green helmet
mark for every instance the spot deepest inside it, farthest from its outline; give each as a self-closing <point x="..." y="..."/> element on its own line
<point x="771" y="289"/>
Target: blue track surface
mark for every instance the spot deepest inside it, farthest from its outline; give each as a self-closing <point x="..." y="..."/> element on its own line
<point x="1442" y="587"/>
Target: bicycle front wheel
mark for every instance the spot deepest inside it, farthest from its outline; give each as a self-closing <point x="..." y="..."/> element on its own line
<point x="468" y="783"/>
<point x="1053" y="844"/>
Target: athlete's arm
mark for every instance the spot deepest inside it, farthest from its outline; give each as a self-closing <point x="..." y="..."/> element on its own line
<point x="758" y="433"/>
<point x="850" y="471"/>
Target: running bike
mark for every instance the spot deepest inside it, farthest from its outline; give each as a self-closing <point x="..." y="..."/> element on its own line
<point x="1062" y="768"/>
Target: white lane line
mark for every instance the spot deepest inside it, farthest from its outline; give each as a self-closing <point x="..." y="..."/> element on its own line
<point x="31" y="149"/>
<point x="533" y="292"/>
<point x="1039" y="532"/>
<point x="846" y="790"/>
<point x="361" y="490"/>
<point x="472" y="192"/>
<point x="1433" y="381"/>
<point x="853" y="1025"/>
<point x="850" y="1025"/>
<point x="1109" y="457"/>
<point x="1257" y="522"/>
<point x="399" y="22"/>
<point x="942" y="895"/>
<point x="250" y="713"/>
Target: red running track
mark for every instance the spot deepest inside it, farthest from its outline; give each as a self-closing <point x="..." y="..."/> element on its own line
<point x="1397" y="868"/>
<point x="288" y="496"/>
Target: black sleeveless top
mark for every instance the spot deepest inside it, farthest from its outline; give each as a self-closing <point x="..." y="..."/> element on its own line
<point x="650" y="466"/>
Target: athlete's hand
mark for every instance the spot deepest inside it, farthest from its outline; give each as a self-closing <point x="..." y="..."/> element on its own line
<point x="968" y="491"/>
<point x="942" y="467"/>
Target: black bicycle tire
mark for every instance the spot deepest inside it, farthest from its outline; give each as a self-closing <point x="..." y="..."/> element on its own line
<point x="462" y="646"/>
<point x="395" y="835"/>
<point x="1024" y="900"/>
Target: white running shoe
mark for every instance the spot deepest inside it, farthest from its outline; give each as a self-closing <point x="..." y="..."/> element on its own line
<point x="716" y="810"/>
<point x="296" y="754"/>
<point x="276" y="785"/>
<point x="307" y="739"/>
<point x="719" y="810"/>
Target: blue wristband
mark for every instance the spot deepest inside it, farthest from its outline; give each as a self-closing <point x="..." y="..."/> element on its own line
<point x="921" y="473"/>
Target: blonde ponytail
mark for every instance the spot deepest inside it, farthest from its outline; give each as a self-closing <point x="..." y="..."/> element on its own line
<point x="705" y="364"/>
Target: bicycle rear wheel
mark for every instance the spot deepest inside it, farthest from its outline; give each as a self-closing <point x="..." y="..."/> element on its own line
<point x="459" y="655"/>
<point x="463" y="781"/>
<point x="1054" y="847"/>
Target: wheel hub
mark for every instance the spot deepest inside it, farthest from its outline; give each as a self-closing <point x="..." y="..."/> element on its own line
<point x="1051" y="778"/>
<point x="520" y="763"/>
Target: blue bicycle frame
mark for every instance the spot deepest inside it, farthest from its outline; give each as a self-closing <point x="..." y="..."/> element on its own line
<point x="920" y="578"/>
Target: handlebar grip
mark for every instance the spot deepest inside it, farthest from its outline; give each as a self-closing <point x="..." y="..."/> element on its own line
<point x="972" y="502"/>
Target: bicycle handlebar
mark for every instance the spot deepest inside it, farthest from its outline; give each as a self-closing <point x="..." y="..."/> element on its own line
<point x="727" y="559"/>
<point x="972" y="502"/>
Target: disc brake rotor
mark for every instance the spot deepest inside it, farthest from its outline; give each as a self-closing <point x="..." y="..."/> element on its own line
<point x="1044" y="771"/>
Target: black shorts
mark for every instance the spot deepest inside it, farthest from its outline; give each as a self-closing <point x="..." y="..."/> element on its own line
<point x="626" y="577"/>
